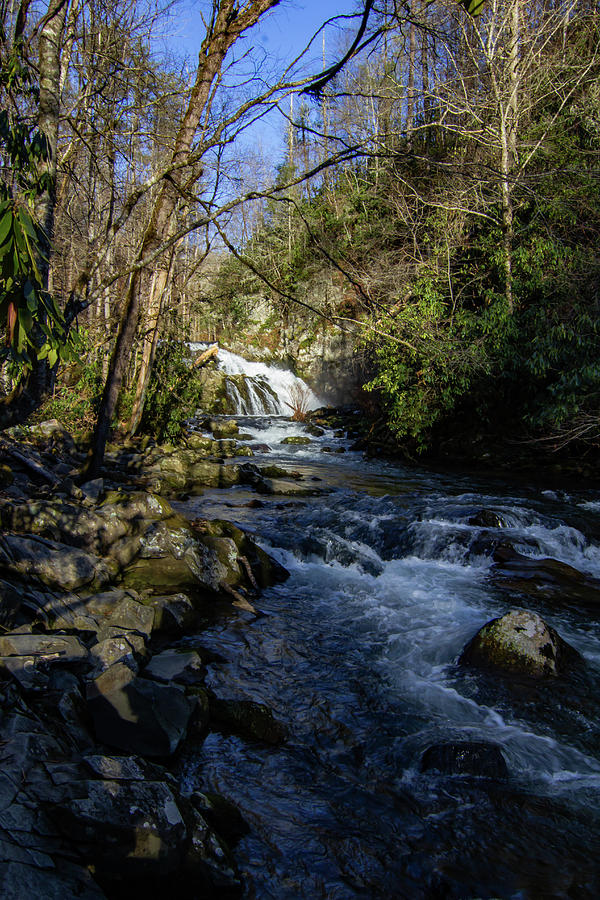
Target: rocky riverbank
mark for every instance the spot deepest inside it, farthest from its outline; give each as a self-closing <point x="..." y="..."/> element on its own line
<point x="102" y="687"/>
<point x="99" y="584"/>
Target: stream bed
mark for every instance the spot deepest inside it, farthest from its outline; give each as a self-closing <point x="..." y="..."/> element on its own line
<point x="356" y="654"/>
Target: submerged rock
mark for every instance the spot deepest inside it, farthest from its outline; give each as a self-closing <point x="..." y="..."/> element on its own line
<point x="297" y="439"/>
<point x="521" y="643"/>
<point x="480" y="758"/>
<point x="247" y="719"/>
<point x="487" y="518"/>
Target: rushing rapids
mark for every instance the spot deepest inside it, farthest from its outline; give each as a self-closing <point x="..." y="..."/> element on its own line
<point x="393" y="570"/>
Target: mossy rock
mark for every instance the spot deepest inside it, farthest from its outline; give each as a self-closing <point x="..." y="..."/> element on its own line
<point x="296" y="439"/>
<point x="211" y="474"/>
<point x="315" y="430"/>
<point x="266" y="570"/>
<point x="6" y="476"/>
<point x="520" y="643"/>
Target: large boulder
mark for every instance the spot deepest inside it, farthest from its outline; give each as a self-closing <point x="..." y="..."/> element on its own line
<point x="135" y="826"/>
<point x="174" y="556"/>
<point x="136" y="714"/>
<point x="54" y="564"/>
<point x="265" y="570"/>
<point x="520" y="643"/>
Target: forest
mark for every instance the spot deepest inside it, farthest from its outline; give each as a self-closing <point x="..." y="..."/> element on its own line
<point x="299" y="433"/>
<point x="435" y="197"/>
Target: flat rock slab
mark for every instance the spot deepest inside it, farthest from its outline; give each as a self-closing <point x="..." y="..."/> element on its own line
<point x="49" y="647"/>
<point x="54" y="564"/>
<point x="136" y="714"/>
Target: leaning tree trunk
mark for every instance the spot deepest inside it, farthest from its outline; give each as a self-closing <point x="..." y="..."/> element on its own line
<point x="228" y="23"/>
<point x="158" y="288"/>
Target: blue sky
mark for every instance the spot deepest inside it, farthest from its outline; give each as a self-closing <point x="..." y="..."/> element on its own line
<point x="284" y="32"/>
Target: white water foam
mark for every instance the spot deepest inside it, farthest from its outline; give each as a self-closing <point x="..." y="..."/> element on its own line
<point x="271" y="390"/>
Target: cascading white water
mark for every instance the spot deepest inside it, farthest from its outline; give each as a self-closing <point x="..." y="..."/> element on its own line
<point x="392" y="572"/>
<point x="268" y="390"/>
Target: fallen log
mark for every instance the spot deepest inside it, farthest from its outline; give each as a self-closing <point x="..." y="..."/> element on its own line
<point x="209" y="354"/>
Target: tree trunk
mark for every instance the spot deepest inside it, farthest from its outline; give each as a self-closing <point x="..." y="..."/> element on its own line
<point x="149" y="342"/>
<point x="508" y="137"/>
<point x="226" y="26"/>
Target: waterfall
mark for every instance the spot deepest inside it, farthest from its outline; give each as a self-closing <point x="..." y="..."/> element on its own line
<point x="258" y="389"/>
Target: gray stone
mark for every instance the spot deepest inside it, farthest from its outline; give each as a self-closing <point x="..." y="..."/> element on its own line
<point x="174" y="614"/>
<point x="136" y="714"/>
<point x="111" y="650"/>
<point x="25" y="671"/>
<point x="116" y="768"/>
<point x="183" y="666"/>
<point x="133" y="616"/>
<point x="520" y="642"/>
<point x="134" y="827"/>
<point x="94" y="489"/>
<point x="47" y="647"/>
<point x="174" y="555"/>
<point x="19" y="881"/>
<point x="53" y="563"/>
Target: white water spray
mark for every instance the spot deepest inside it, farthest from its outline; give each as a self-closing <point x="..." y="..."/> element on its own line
<point x="266" y="390"/>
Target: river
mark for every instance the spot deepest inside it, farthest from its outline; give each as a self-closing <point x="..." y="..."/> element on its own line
<point x="392" y="572"/>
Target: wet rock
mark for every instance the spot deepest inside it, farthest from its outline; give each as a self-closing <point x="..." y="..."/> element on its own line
<point x="173" y="556"/>
<point x="465" y="758"/>
<point x="520" y="643"/>
<point x="549" y="580"/>
<point x="247" y="719"/>
<point x="297" y="439"/>
<point x="222" y="814"/>
<point x="222" y="427"/>
<point x="266" y="571"/>
<point x="260" y="448"/>
<point x="138" y="715"/>
<point x="486" y="518"/>
<point x="181" y="666"/>
<point x="174" y="614"/>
